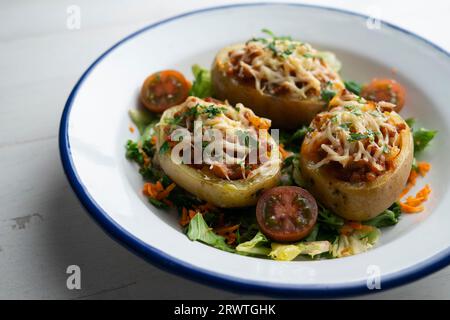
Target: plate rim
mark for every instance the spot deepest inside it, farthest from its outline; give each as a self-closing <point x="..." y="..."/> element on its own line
<point x="179" y="267"/>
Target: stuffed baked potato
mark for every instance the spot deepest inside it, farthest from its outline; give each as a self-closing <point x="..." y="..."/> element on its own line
<point x="286" y="81"/>
<point x="226" y="180"/>
<point x="357" y="157"/>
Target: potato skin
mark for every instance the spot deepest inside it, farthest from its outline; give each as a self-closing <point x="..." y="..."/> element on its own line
<point x="285" y="112"/>
<point x="206" y="186"/>
<point x="364" y="200"/>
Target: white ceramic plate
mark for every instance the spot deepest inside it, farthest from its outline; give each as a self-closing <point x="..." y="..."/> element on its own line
<point x="94" y="129"/>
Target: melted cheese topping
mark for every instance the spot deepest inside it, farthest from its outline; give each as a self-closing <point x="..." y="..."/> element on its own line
<point x="356" y="134"/>
<point x="285" y="66"/>
<point x="238" y="126"/>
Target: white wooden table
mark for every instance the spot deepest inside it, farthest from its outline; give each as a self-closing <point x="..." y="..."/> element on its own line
<point x="43" y="228"/>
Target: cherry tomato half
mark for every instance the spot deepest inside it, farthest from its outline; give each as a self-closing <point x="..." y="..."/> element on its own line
<point x="286" y="214"/>
<point x="164" y="89"/>
<point x="387" y="90"/>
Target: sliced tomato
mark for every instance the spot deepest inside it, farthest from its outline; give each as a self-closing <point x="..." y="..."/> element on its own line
<point x="164" y="89"/>
<point x="387" y="90"/>
<point x="286" y="213"/>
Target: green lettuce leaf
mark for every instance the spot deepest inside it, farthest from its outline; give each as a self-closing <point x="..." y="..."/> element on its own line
<point x="297" y="174"/>
<point x="141" y="118"/>
<point x="198" y="230"/>
<point x="255" y="246"/>
<point x="389" y="217"/>
<point x="202" y="86"/>
<point x="326" y="217"/>
<point x="422" y="138"/>
<point x="288" y="252"/>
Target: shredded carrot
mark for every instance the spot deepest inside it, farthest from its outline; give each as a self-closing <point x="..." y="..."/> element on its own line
<point x="131" y="129"/>
<point x="410" y="209"/>
<point x="346" y="230"/>
<point x="412" y="177"/>
<point x="223" y="230"/>
<point x="164" y="194"/>
<point x="413" y="201"/>
<point x="423" y="168"/>
<point x="192" y="214"/>
<point x="153" y="140"/>
<point x="184" y="221"/>
<point x="188" y="214"/>
<point x="283" y="152"/>
<point x="206" y="207"/>
<point x="228" y="232"/>
<point x="405" y="190"/>
<point x="355" y="225"/>
<point x="414" y="204"/>
<point x="424" y="192"/>
<point x="157" y="191"/>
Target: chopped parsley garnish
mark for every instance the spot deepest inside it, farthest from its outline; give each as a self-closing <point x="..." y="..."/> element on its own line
<point x="353" y="109"/>
<point x="356" y="136"/>
<point x="164" y="147"/>
<point x="354" y="87"/>
<point x="175" y="120"/>
<point x="273" y="47"/>
<point x="268" y="32"/>
<point x="275" y="37"/>
<point x="334" y="119"/>
<point x="327" y="95"/>
<point x="345" y="125"/>
<point x="290" y="49"/>
<point x="360" y="99"/>
<point x="192" y="111"/>
<point x="213" y="111"/>
<point x="371" y="135"/>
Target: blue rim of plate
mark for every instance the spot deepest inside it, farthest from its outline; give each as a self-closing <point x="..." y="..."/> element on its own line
<point x="179" y="267"/>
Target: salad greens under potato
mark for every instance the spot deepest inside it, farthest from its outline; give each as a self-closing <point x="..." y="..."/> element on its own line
<point x="329" y="238"/>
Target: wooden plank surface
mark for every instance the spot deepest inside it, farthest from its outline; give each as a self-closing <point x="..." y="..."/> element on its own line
<point x="43" y="228"/>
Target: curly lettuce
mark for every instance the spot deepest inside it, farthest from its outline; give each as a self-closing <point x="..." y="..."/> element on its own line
<point x="357" y="242"/>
